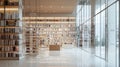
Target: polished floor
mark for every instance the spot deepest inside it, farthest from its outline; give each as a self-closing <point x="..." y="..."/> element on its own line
<point x="66" y="57"/>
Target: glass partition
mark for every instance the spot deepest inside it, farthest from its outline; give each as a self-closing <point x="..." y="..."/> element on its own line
<point x="99" y="29"/>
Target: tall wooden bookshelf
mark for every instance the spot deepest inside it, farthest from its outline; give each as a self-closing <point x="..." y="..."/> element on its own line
<point x="10" y="29"/>
<point x="59" y="31"/>
<point x="32" y="41"/>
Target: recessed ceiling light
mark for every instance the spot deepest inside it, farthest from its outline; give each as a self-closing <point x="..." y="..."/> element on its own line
<point x="41" y="5"/>
<point x="51" y="6"/>
<point x="14" y="9"/>
<point x="61" y="6"/>
<point x="53" y="11"/>
<point x="45" y="11"/>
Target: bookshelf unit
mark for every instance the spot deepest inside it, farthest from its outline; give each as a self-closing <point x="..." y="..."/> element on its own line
<point x="32" y="42"/>
<point x="51" y="31"/>
<point x="10" y="29"/>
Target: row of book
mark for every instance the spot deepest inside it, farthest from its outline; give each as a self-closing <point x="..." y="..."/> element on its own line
<point x="32" y="43"/>
<point x="57" y="20"/>
<point x="51" y="25"/>
<point x="9" y="42"/>
<point x="9" y="23"/>
<point x="11" y="15"/>
<point x="9" y="48"/>
<point x="54" y="29"/>
<point x="31" y="51"/>
<point x="1" y="15"/>
<point x="31" y="47"/>
<point x="9" y="2"/>
<point x="7" y="55"/>
<point x="27" y="42"/>
<point x="7" y="36"/>
<point x="10" y="30"/>
<point x="1" y="30"/>
<point x="2" y="23"/>
<point x="59" y="32"/>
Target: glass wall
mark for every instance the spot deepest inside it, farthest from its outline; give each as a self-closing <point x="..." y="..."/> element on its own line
<point x="99" y="23"/>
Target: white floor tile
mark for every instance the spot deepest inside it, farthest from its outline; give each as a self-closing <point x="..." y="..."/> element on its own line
<point x="70" y="57"/>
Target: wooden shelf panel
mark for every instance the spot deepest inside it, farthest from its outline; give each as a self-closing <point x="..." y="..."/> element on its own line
<point x="7" y="6"/>
<point x="10" y="33"/>
<point x="9" y="45"/>
<point x="9" y="26"/>
<point x="9" y="58"/>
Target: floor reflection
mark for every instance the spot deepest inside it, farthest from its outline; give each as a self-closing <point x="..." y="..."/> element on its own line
<point x="70" y="57"/>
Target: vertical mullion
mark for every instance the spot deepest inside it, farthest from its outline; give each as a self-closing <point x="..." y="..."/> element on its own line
<point x="119" y="32"/>
<point x="100" y="28"/>
<point x="116" y="33"/>
<point x="106" y="32"/>
<point x="4" y="26"/>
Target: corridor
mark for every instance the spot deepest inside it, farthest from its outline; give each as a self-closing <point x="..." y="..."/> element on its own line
<point x="66" y="57"/>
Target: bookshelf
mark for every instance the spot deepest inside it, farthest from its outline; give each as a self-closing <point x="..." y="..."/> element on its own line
<point x="32" y="41"/>
<point x="10" y="29"/>
<point x="51" y="31"/>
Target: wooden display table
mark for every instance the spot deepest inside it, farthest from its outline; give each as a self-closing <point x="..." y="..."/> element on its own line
<point x="54" y="47"/>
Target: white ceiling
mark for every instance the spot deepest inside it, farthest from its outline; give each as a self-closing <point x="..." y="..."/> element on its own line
<point x="37" y="7"/>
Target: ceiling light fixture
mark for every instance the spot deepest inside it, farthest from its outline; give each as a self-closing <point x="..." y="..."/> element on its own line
<point x="41" y="5"/>
<point x="61" y="6"/>
<point x="14" y="9"/>
<point x="51" y="6"/>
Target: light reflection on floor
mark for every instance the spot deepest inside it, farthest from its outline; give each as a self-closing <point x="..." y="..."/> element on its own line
<point x="67" y="57"/>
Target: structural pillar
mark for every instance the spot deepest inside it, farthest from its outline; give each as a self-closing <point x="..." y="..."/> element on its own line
<point x="92" y="2"/>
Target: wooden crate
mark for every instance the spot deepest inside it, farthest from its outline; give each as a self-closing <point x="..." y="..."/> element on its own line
<point x="54" y="47"/>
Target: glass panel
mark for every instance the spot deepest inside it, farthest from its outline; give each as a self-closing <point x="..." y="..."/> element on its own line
<point x="78" y="8"/>
<point x="112" y="35"/>
<point x="110" y="1"/>
<point x="84" y="36"/>
<point x="89" y="35"/>
<point x="97" y="35"/>
<point x="97" y="6"/>
<point x="102" y="4"/>
<point x="89" y="11"/>
<point x="102" y="35"/>
<point x="77" y="20"/>
<point x="82" y="15"/>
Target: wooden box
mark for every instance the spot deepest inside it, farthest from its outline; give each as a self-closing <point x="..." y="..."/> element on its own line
<point x="54" y="47"/>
